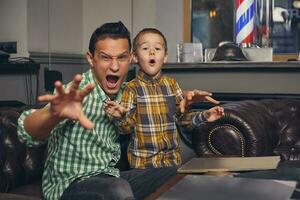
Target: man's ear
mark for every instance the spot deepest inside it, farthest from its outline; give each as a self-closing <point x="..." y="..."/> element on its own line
<point x="89" y="58"/>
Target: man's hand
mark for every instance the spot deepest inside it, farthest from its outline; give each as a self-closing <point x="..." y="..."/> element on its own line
<point x="68" y="104"/>
<point x="115" y="110"/>
<point x="214" y="113"/>
<point x="195" y="96"/>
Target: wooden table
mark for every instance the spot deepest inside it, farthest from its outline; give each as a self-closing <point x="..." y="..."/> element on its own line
<point x="166" y="186"/>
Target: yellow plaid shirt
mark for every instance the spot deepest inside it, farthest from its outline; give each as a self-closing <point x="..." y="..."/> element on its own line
<point x="153" y="103"/>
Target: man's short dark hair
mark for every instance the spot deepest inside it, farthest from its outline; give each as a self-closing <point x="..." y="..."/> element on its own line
<point x="114" y="30"/>
<point x="149" y="30"/>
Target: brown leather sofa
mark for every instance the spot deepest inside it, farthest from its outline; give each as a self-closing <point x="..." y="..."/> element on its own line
<point x="21" y="167"/>
<point x="250" y="128"/>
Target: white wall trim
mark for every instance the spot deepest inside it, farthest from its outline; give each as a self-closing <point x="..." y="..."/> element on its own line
<point x="57" y="58"/>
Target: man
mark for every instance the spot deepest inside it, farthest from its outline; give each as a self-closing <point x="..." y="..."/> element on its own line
<point x="82" y="141"/>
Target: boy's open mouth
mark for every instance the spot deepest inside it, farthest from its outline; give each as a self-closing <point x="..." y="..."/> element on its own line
<point x="112" y="80"/>
<point x="152" y="61"/>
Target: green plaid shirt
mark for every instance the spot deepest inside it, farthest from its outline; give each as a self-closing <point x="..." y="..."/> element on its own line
<point x="153" y="103"/>
<point x="77" y="153"/>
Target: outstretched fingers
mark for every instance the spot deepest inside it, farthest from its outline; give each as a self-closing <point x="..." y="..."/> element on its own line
<point x="111" y="103"/>
<point x="46" y="98"/>
<point x="59" y="88"/>
<point x="202" y="93"/>
<point x="85" y="122"/>
<point x="182" y="105"/>
<point x="123" y="109"/>
<point x="220" y="110"/>
<point x="75" y="84"/>
<point x="85" y="91"/>
<point x="212" y="100"/>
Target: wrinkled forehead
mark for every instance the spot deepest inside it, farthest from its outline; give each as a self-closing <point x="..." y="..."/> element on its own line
<point x="113" y="47"/>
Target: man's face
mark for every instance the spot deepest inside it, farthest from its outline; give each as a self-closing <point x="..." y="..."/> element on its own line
<point x="110" y="64"/>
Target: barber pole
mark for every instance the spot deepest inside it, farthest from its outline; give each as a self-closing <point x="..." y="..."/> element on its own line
<point x="244" y="21"/>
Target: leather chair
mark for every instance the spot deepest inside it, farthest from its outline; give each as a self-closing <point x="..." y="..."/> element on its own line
<point x="21" y="167"/>
<point x="250" y="128"/>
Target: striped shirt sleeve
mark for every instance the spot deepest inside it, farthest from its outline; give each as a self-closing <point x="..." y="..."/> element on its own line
<point x="23" y="135"/>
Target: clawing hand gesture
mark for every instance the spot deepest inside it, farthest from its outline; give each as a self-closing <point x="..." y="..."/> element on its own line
<point x="115" y="110"/>
<point x="196" y="96"/>
<point x="67" y="104"/>
<point x="213" y="113"/>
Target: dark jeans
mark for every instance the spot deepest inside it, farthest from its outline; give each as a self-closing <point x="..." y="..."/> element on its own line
<point x="145" y="181"/>
<point x="133" y="184"/>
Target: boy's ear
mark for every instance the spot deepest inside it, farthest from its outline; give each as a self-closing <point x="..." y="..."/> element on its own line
<point x="89" y="58"/>
<point x="131" y="58"/>
<point x="166" y="58"/>
<point x="134" y="58"/>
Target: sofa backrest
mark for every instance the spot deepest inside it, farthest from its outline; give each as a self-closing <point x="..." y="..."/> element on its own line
<point x="252" y="128"/>
<point x="19" y="164"/>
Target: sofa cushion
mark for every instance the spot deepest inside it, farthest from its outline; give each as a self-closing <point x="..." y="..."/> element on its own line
<point x="9" y="196"/>
<point x="32" y="190"/>
<point x="20" y="165"/>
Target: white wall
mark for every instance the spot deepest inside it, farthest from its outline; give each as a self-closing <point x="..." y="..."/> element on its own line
<point x="97" y="12"/>
<point x="38" y="28"/>
<point x="169" y="19"/>
<point x="65" y="26"/>
<point x="55" y="26"/>
<point x="166" y="15"/>
<point x="13" y="24"/>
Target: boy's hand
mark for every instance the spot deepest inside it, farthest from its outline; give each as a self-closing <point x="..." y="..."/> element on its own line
<point x="195" y="96"/>
<point x="68" y="104"/>
<point x="214" y="113"/>
<point x="115" y="110"/>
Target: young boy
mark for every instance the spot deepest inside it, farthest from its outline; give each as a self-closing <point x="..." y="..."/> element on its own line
<point x="150" y="104"/>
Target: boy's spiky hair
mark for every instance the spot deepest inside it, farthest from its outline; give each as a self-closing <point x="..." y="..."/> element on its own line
<point x="149" y="30"/>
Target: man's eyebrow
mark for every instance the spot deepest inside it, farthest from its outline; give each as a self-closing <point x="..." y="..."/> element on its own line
<point x="104" y="54"/>
<point x="122" y="54"/>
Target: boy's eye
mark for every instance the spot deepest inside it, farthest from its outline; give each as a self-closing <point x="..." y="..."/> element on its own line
<point x="144" y="48"/>
<point x="157" y="48"/>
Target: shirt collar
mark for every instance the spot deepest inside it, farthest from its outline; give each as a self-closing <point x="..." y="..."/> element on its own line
<point x="146" y="78"/>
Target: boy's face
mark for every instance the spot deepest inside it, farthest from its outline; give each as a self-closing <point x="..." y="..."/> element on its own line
<point x="150" y="53"/>
<point x="110" y="64"/>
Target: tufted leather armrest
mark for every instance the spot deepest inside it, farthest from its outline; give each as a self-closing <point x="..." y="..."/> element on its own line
<point x="19" y="165"/>
<point x="252" y="128"/>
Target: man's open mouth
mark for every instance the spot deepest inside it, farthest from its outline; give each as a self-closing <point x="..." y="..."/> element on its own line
<point x="112" y="80"/>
